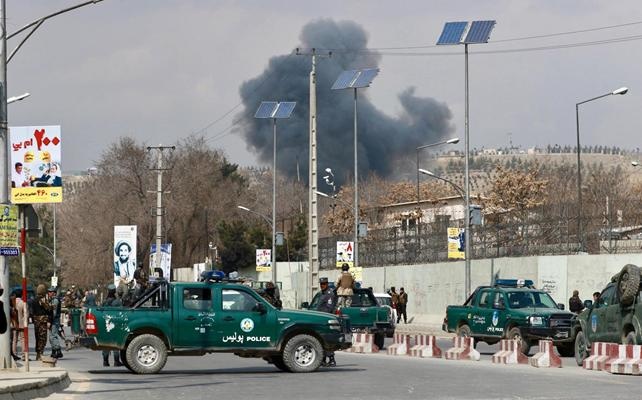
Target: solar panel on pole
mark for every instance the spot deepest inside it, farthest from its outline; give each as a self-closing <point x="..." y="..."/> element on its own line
<point x="365" y="77"/>
<point x="452" y="33"/>
<point x="266" y="109"/>
<point x="479" y="32"/>
<point x="284" y="109"/>
<point x="345" y="79"/>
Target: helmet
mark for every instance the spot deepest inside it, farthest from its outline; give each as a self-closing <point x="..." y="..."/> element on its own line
<point x="52" y="289"/>
<point x="269" y="285"/>
<point x="111" y="286"/>
<point x="41" y="290"/>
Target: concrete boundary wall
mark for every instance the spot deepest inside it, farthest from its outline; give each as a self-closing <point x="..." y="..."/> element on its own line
<point x="432" y="287"/>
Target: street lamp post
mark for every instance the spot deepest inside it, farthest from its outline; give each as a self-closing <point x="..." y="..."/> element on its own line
<point x="459" y="189"/>
<point x="355" y="79"/>
<point x="5" y="345"/>
<point x="274" y="110"/>
<point x="580" y="232"/>
<point x="449" y="141"/>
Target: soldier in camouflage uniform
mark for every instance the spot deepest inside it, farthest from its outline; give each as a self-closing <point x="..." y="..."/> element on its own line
<point x="41" y="312"/>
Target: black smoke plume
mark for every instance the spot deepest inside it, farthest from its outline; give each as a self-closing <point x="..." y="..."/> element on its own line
<point x="382" y="139"/>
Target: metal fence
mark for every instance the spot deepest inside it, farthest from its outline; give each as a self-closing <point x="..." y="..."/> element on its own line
<point x="428" y="243"/>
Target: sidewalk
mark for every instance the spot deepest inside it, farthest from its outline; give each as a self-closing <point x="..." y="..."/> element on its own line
<point x="40" y="381"/>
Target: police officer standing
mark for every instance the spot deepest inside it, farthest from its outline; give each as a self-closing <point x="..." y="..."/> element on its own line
<point x="112" y="301"/>
<point x="327" y="303"/>
<point x="54" y="333"/>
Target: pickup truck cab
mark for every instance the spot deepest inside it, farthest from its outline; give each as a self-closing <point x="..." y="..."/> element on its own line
<point x="366" y="315"/>
<point x="196" y="318"/>
<point x="512" y="309"/>
<point x="616" y="317"/>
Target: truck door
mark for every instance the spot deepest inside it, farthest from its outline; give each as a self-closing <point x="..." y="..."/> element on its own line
<point x="195" y="323"/>
<point x="599" y="321"/>
<point x="240" y="323"/>
<point x="482" y="313"/>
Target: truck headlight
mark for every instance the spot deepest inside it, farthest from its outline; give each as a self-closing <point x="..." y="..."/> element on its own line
<point x="536" y="321"/>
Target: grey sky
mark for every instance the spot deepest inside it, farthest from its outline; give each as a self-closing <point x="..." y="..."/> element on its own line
<point x="159" y="70"/>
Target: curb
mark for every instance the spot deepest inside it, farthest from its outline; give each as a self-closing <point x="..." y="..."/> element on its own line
<point x="41" y="387"/>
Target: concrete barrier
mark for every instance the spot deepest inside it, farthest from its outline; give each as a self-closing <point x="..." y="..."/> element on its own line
<point x="628" y="360"/>
<point x="463" y="349"/>
<point x="600" y="354"/>
<point x="363" y="343"/>
<point x="425" y="346"/>
<point x="546" y="356"/>
<point x="400" y="345"/>
<point x="509" y="353"/>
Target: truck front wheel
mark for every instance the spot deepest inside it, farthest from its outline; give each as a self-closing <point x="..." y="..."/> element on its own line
<point x="581" y="348"/>
<point x="146" y="354"/>
<point x="516" y="334"/>
<point x="464" y="331"/>
<point x="303" y="353"/>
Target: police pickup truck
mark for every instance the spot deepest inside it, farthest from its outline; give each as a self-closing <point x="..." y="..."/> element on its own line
<point x="615" y="318"/>
<point x="512" y="309"/>
<point x="196" y="318"/>
<point x="366" y="315"/>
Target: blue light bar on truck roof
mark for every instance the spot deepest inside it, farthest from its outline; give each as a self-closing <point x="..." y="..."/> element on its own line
<point x="514" y="283"/>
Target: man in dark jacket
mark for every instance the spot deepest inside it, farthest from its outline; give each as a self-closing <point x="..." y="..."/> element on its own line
<point x="112" y="301"/>
<point x="401" y="305"/>
<point x="575" y="303"/>
<point x="327" y="303"/>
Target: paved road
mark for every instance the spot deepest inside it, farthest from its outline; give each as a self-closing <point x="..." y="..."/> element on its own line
<point x="370" y="376"/>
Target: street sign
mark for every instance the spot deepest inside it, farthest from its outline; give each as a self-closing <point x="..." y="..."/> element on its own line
<point x="9" y="251"/>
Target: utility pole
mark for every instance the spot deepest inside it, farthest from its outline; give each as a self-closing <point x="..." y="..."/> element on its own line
<point x="313" y="219"/>
<point x="159" y="200"/>
<point x="5" y="345"/>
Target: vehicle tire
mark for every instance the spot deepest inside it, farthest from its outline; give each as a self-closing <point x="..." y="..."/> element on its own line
<point x="516" y="334"/>
<point x="581" y="348"/>
<point x="278" y="362"/>
<point x="379" y="340"/>
<point x="464" y="331"/>
<point x="123" y="359"/>
<point x="146" y="354"/>
<point x="630" y="338"/>
<point x="628" y="284"/>
<point x="302" y="353"/>
<point x="566" y="349"/>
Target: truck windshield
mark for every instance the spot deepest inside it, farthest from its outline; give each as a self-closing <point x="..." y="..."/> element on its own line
<point x="523" y="299"/>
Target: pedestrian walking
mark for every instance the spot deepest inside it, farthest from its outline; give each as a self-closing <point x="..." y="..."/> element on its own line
<point x="41" y="311"/>
<point x="112" y="301"/>
<point x="575" y="303"/>
<point x="345" y="285"/>
<point x="401" y="306"/>
<point x="19" y="318"/>
<point x="54" y="334"/>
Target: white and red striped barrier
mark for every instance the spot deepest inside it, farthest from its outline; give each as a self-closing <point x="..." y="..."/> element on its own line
<point x="363" y="343"/>
<point x="425" y="346"/>
<point x="509" y="353"/>
<point x="628" y="360"/>
<point x="400" y="345"/>
<point x="600" y="354"/>
<point x="546" y="357"/>
<point x="463" y="349"/>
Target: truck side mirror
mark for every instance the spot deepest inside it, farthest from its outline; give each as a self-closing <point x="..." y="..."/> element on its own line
<point x="260" y="307"/>
<point x="588" y="304"/>
<point x="560" y="306"/>
<point x="305" y="305"/>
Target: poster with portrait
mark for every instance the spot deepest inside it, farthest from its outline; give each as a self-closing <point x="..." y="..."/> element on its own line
<point x="36" y="175"/>
<point x="345" y="254"/>
<point x="165" y="270"/>
<point x="124" y="253"/>
<point x="456" y="243"/>
<point x="9" y="245"/>
<point x="263" y="260"/>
